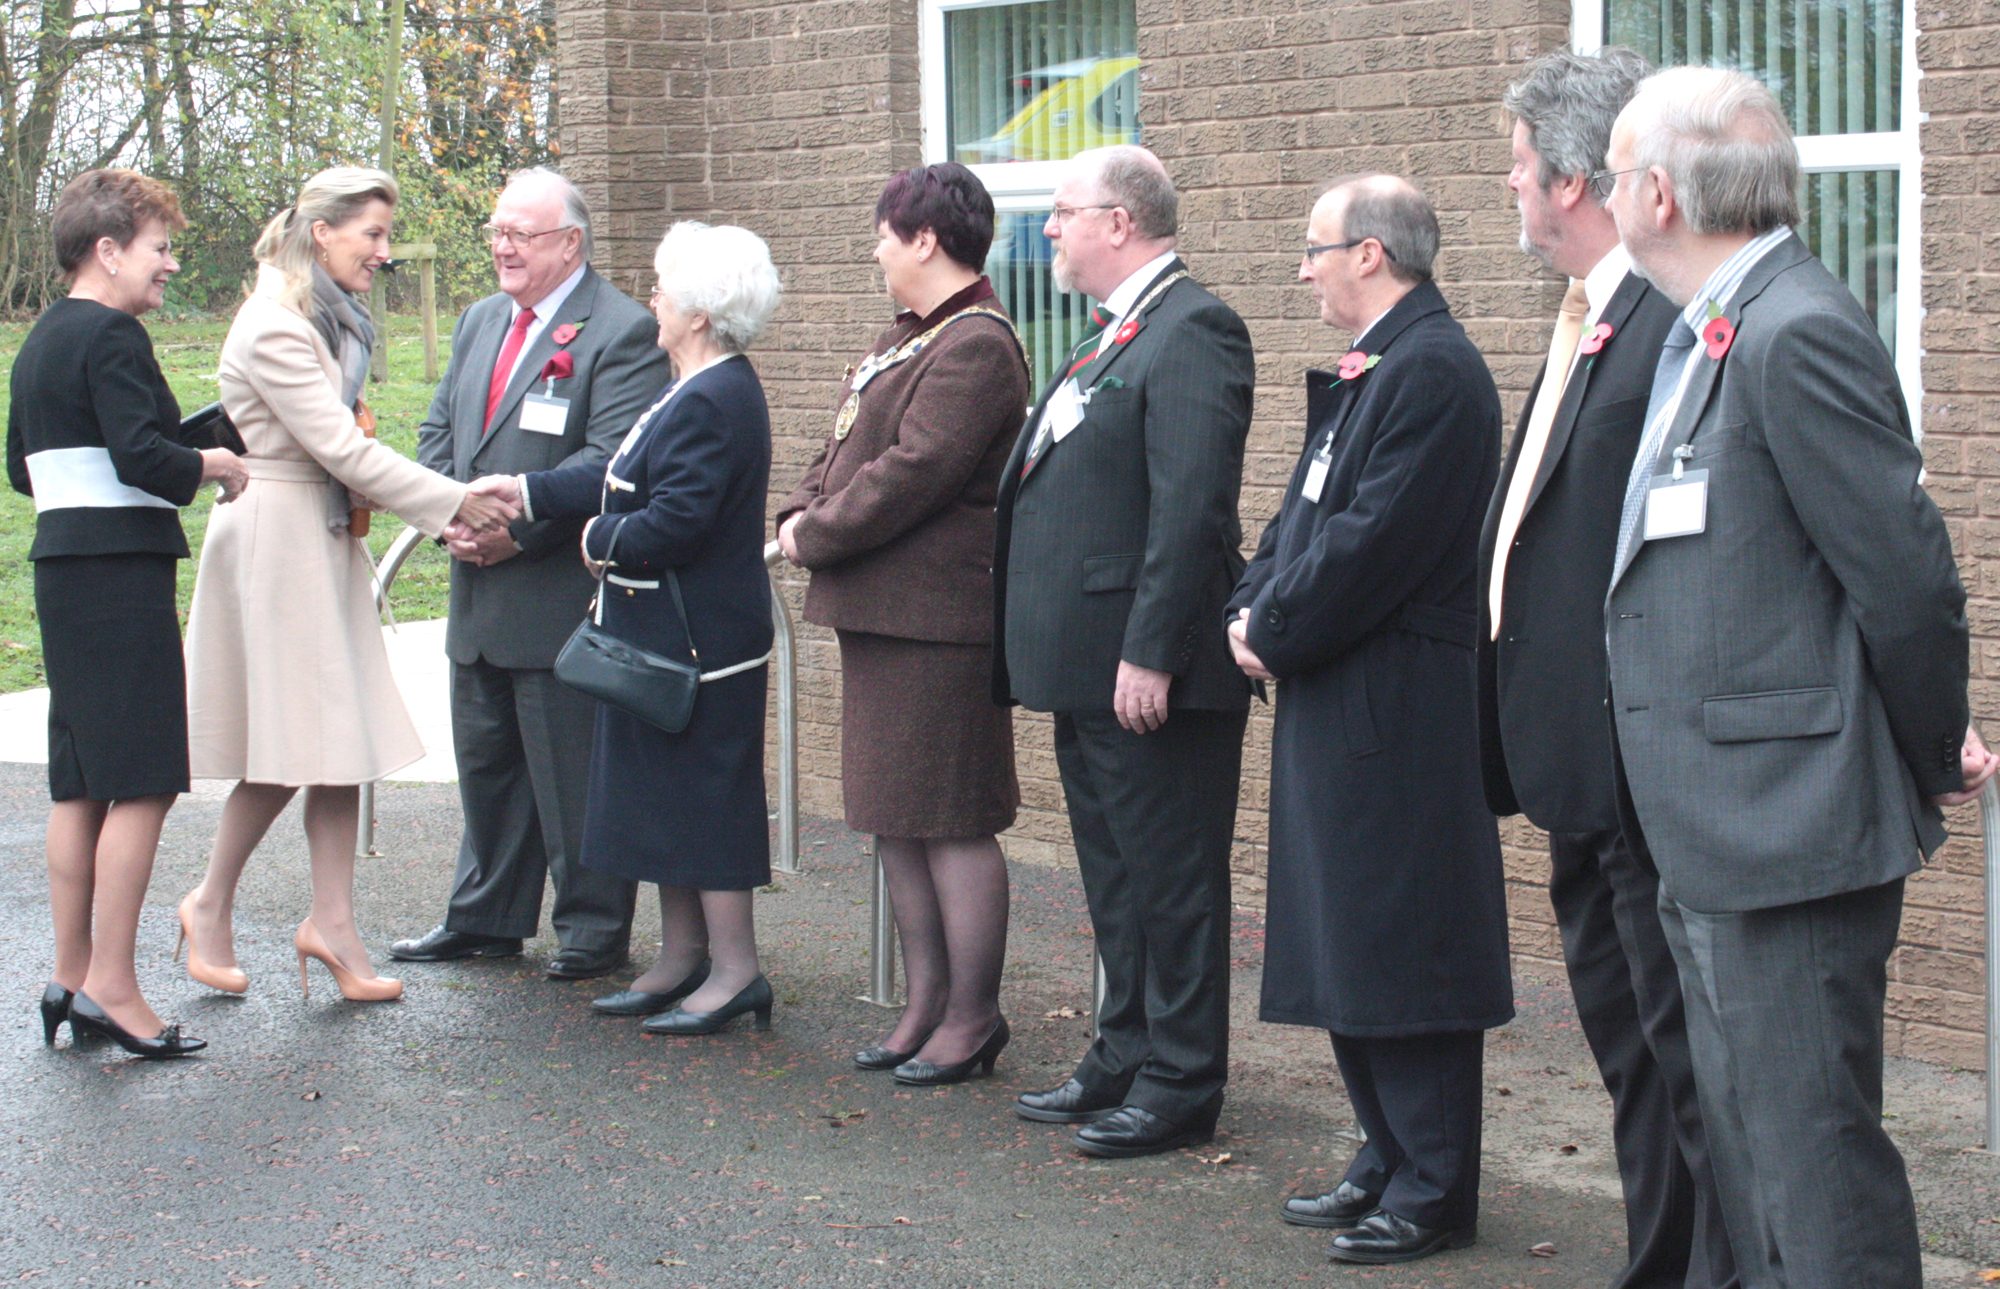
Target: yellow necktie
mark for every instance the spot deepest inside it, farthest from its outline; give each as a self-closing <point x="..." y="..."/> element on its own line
<point x="1535" y="437"/>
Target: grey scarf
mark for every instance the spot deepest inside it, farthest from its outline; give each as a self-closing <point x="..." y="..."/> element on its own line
<point x="343" y="321"/>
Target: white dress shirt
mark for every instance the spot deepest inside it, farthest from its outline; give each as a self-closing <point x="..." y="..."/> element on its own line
<point x="545" y="309"/>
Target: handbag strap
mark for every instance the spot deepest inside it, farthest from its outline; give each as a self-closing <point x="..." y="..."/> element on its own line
<point x="673" y="584"/>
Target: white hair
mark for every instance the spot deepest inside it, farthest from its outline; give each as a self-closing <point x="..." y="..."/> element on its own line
<point x="576" y="211"/>
<point x="723" y="272"/>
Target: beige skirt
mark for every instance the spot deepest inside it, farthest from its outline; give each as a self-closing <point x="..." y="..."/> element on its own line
<point x="288" y="679"/>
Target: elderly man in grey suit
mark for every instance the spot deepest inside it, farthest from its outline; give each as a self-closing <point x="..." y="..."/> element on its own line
<point x="554" y="368"/>
<point x="1788" y="659"/>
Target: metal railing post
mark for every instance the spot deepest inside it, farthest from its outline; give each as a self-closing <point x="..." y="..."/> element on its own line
<point x="881" y="933"/>
<point x="385" y="575"/>
<point x="1989" y="827"/>
<point x="788" y="719"/>
<point x="1099" y="983"/>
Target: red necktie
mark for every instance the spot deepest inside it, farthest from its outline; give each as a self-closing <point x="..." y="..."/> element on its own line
<point x="505" y="367"/>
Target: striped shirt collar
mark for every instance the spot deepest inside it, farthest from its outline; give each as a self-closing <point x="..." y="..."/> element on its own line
<point x="1729" y="275"/>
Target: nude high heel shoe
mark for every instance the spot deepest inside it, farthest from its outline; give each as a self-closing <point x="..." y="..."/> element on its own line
<point x="359" y="989"/>
<point x="230" y="980"/>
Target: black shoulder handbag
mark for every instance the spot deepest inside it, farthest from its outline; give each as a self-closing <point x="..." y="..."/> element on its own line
<point x="659" y="691"/>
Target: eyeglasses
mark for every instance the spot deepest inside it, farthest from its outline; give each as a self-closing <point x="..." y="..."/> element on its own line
<point x="1313" y="251"/>
<point x="494" y="235"/>
<point x="1604" y="181"/>
<point x="1063" y="214"/>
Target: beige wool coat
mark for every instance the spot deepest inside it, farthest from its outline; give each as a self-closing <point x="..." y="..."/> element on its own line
<point x="288" y="680"/>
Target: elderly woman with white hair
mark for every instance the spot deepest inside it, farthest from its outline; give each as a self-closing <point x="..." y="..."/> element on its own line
<point x="677" y="540"/>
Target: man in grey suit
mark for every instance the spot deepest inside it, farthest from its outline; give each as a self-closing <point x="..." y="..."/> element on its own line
<point x="1788" y="658"/>
<point x="554" y="368"/>
<point x="1117" y="547"/>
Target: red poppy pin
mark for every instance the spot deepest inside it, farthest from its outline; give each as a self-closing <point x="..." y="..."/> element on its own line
<point x="560" y="366"/>
<point x="1126" y="332"/>
<point x="565" y="333"/>
<point x="1354" y="363"/>
<point x="1593" y="342"/>
<point x="1717" y="335"/>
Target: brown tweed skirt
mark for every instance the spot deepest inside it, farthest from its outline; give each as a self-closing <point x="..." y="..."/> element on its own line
<point x="924" y="750"/>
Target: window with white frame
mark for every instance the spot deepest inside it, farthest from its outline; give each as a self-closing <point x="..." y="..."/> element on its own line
<point x="1846" y="73"/>
<point x="1014" y="88"/>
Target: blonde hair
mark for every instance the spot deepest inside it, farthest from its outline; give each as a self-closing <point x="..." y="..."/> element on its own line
<point x="331" y="197"/>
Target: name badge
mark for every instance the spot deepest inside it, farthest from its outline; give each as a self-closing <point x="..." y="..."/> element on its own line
<point x="1677" y="505"/>
<point x="543" y="415"/>
<point x="1316" y="471"/>
<point x="1065" y="410"/>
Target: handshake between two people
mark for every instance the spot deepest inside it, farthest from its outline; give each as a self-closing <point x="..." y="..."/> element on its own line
<point x="478" y="535"/>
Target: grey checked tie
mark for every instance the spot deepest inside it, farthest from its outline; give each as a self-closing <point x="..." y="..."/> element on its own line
<point x="1666" y="378"/>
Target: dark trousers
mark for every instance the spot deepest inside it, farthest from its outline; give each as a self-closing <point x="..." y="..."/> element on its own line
<point x="1418" y="1101"/>
<point x="1628" y="998"/>
<point x="1784" y="1011"/>
<point x="1153" y="816"/>
<point x="524" y="740"/>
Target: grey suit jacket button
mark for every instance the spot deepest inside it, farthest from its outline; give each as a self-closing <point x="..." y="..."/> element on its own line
<point x="1274" y="619"/>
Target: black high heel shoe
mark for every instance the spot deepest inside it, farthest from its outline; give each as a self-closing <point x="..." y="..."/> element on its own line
<point x="86" y="1015"/>
<point x="55" y="1010"/>
<point x="880" y="1056"/>
<point x="923" y="1074"/>
<point x="637" y="1002"/>
<point x="755" y="997"/>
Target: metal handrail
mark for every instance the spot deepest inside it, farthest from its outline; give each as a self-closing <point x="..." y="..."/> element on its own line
<point x="406" y="541"/>
<point x="1989" y="827"/>
<point x="788" y="718"/>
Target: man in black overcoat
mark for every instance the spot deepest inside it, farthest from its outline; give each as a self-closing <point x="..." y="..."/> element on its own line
<point x="1117" y="547"/>
<point x="1387" y="923"/>
<point x="1545" y="735"/>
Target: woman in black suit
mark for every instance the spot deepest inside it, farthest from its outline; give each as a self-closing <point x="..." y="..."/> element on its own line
<point x="683" y="499"/>
<point x="93" y="435"/>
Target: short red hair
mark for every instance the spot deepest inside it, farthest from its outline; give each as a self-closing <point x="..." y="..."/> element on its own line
<point x="108" y="203"/>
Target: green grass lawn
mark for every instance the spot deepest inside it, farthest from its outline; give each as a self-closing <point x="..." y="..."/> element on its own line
<point x="187" y="353"/>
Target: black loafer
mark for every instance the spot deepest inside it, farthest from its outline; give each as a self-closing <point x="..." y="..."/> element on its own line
<point x="637" y="1002"/>
<point x="1340" y="1209"/>
<point x="584" y="964"/>
<point x="1130" y="1131"/>
<point x="1070" y="1103"/>
<point x="440" y="945"/>
<point x="1384" y="1237"/>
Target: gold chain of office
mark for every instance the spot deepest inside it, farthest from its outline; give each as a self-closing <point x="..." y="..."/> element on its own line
<point x="875" y="364"/>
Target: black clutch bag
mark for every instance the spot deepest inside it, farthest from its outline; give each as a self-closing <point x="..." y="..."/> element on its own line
<point x="659" y="691"/>
<point x="210" y="427"/>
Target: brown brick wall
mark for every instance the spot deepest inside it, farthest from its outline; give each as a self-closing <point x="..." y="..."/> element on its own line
<point x="1936" y="990"/>
<point x="786" y="116"/>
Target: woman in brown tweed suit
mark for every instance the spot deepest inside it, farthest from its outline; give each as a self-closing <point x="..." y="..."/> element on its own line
<point x="895" y="520"/>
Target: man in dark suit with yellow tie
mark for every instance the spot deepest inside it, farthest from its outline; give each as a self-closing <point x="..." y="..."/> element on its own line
<point x="1545" y="737"/>
<point x="1118" y="544"/>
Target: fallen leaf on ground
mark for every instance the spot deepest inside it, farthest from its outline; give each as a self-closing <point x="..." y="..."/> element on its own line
<point x="1990" y="1275"/>
<point x="1542" y="1250"/>
<point x="1222" y="1158"/>
<point x="310" y="1096"/>
<point x="1063" y="1013"/>
<point x="1566" y="1150"/>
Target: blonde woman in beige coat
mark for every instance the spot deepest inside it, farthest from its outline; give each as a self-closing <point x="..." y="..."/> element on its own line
<point x="288" y="680"/>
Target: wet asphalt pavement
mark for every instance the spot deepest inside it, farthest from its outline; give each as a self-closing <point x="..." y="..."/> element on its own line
<point x="490" y="1130"/>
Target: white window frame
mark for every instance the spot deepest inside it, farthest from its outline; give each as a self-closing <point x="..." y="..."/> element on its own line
<point x="1015" y="186"/>
<point x="1898" y="150"/>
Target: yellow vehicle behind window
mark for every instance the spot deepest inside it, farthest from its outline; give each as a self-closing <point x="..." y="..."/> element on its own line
<point x="1088" y="103"/>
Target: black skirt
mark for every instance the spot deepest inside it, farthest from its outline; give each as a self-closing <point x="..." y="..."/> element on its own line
<point x="111" y="647"/>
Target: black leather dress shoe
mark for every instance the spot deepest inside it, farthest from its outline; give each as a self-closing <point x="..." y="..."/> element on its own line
<point x="1384" y="1237"/>
<point x="1129" y="1131"/>
<point x="440" y="945"/>
<point x="585" y="964"/>
<point x="637" y="1002"/>
<point x="1070" y="1103"/>
<point x="1340" y="1209"/>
